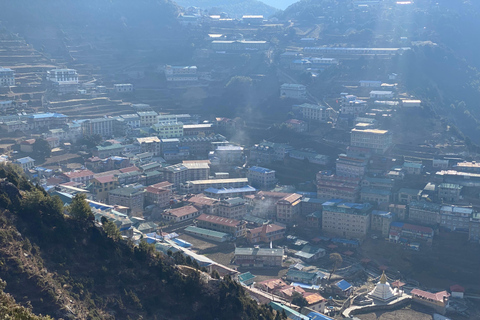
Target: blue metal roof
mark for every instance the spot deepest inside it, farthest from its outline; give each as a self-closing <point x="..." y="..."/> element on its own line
<point x="397" y="224"/>
<point x="260" y="169"/>
<point x="25" y="160"/>
<point x="317" y="316"/>
<point x="230" y="190"/>
<point x="343" y="285"/>
<point x="46" y="115"/>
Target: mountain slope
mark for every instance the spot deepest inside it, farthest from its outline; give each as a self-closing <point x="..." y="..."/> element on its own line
<point x="71" y="269"/>
<point x="234" y="8"/>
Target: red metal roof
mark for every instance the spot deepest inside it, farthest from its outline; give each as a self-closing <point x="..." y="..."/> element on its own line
<point x="431" y="296"/>
<point x="219" y="220"/>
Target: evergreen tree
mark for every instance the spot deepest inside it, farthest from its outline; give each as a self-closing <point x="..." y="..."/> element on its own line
<point x="79" y="208"/>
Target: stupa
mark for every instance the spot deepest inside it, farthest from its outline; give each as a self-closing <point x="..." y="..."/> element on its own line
<point x="383" y="291"/>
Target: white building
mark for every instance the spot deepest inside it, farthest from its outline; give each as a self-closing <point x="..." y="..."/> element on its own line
<point x="26" y="163"/>
<point x="351" y="105"/>
<point x="315" y="112"/>
<point x="7" y="77"/>
<point x="168" y="129"/>
<point x="5" y="105"/>
<point x="370" y="84"/>
<point x="377" y="140"/>
<point x="261" y="177"/>
<point x="382" y="95"/>
<point x="104" y="127"/>
<point x="63" y="76"/>
<point x="293" y="91"/>
<point x="123" y="87"/>
<point x="411" y="103"/>
<point x="181" y="73"/>
<point x="148" y="118"/>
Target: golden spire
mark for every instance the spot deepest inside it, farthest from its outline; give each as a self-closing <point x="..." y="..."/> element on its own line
<point x="383" y="278"/>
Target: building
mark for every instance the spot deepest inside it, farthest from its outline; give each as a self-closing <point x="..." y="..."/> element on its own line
<point x="205" y="204"/>
<point x="315" y="112"/>
<point x="64" y="80"/>
<point x="411" y="103"/>
<point x="180" y="214"/>
<point x="229" y="155"/>
<point x="412" y="167"/>
<point x="407" y="195"/>
<point x="370" y="84"/>
<point x="175" y="174"/>
<point x="380" y="221"/>
<point x="315" y="301"/>
<point x="266" y="233"/>
<point x="148" y="118"/>
<point x="344" y="52"/>
<point x="149" y="144"/>
<point x="379" y="141"/>
<point x="224" y="193"/>
<point x="424" y="212"/>
<point x="399" y="210"/>
<point x="200" y="129"/>
<point x="26" y="163"/>
<point x="383" y="291"/>
<point x="232" y="208"/>
<point x="130" y="197"/>
<point x="310" y="205"/>
<point x="375" y="195"/>
<point x="330" y="186"/>
<point x="123" y="87"/>
<point x="259" y="257"/>
<point x="466" y="166"/>
<point x="270" y="285"/>
<point x="296" y="125"/>
<point x="404" y="233"/>
<point x="437" y="301"/>
<point x="350" y="105"/>
<point x="159" y="194"/>
<point x="102" y="184"/>
<point x="46" y="120"/>
<point x="353" y="167"/>
<point x="449" y="192"/>
<point x="208" y="234"/>
<point x="7" y="77"/>
<point x="456" y="218"/>
<point x="132" y="120"/>
<point x="236" y="228"/>
<point x="79" y="176"/>
<point x="310" y="253"/>
<point x="181" y="73"/>
<point x="381" y="95"/>
<point x="474" y="228"/>
<point x="239" y="45"/>
<point x="109" y="150"/>
<point x="252" y="19"/>
<point x="197" y="186"/>
<point x="197" y="169"/>
<point x="288" y="208"/>
<point x="261" y="177"/>
<point x="293" y="91"/>
<point x="347" y="220"/>
<point x="304" y="276"/>
<point x="104" y="127"/>
<point x="457" y="291"/>
<point x="168" y="129"/>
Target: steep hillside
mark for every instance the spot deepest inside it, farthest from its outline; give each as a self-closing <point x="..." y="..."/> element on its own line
<point x="70" y="268"/>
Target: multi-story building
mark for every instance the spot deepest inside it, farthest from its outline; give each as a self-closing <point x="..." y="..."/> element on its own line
<point x="266" y="233"/>
<point x="455" y="218"/>
<point x="353" y="167"/>
<point x="7" y="77"/>
<point x="424" y="212"/>
<point x="123" y="87"/>
<point x="181" y="73"/>
<point x="205" y="204"/>
<point x="233" y="227"/>
<point x="149" y="144"/>
<point x="130" y="197"/>
<point x="407" y="195"/>
<point x="404" y="232"/>
<point x="399" y="210"/>
<point x="474" y="228"/>
<point x="330" y="186"/>
<point x="310" y="205"/>
<point x="377" y="140"/>
<point x="293" y="91"/>
<point x="109" y="151"/>
<point x="200" y="129"/>
<point x="347" y="220"/>
<point x="132" y="120"/>
<point x="267" y="152"/>
<point x="197" y="186"/>
<point x="197" y="169"/>
<point x="46" y="120"/>
<point x="288" y="208"/>
<point x="449" y="192"/>
<point x="224" y="193"/>
<point x="26" y="163"/>
<point x="375" y="195"/>
<point x="259" y="257"/>
<point x="380" y="221"/>
<point x="315" y="112"/>
<point x="176" y="174"/>
<point x="180" y="214"/>
<point x="104" y="127"/>
<point x="381" y="95"/>
<point x="227" y="155"/>
<point x="159" y="194"/>
<point x="64" y="80"/>
<point x="239" y="45"/>
<point x="437" y="301"/>
<point x="148" y="118"/>
<point x="261" y="177"/>
<point x="168" y="129"/>
<point x="200" y="146"/>
<point x="351" y="105"/>
<point x="102" y="184"/>
<point x="79" y="176"/>
<point x="232" y="208"/>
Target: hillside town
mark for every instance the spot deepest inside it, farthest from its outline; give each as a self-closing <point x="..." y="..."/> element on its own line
<point x="302" y="208"/>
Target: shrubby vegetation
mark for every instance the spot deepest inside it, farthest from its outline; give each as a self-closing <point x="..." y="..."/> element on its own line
<point x="67" y="267"/>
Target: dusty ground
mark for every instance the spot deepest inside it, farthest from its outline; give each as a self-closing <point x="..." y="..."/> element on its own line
<point x="223" y="253"/>
<point x="403" y="314"/>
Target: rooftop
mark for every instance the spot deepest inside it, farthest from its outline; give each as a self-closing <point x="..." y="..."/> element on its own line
<point x="260" y="169"/>
<point x="180" y="212"/>
<point x="259" y="252"/>
<point x="219" y="220"/>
